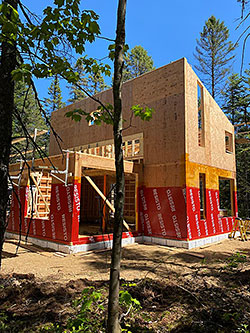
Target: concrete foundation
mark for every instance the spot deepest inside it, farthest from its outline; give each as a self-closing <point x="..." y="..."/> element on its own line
<point x="69" y="249"/>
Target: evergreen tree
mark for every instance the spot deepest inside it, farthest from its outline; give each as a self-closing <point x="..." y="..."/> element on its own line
<point x="236" y="106"/>
<point x="246" y="79"/>
<point x="29" y="110"/>
<point x="92" y="83"/>
<point x="235" y="99"/>
<point x="243" y="177"/>
<point x="137" y="62"/>
<point x="54" y="101"/>
<point x="31" y="117"/>
<point x="76" y="93"/>
<point x="214" y="53"/>
<point x="96" y="83"/>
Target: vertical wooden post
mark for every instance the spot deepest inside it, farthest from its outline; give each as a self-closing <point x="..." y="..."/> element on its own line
<point x="104" y="206"/>
<point x="136" y="201"/>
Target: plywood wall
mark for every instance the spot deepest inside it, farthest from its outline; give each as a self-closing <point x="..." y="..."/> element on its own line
<point x="215" y="124"/>
<point x="163" y="136"/>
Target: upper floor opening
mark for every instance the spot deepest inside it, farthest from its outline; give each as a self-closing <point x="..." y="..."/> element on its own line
<point x="200" y="108"/>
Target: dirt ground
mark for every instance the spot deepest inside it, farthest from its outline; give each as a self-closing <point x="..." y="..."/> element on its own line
<point x="202" y="290"/>
<point x="138" y="261"/>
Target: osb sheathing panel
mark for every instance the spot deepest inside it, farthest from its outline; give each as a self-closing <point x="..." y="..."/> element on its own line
<point x="163" y="135"/>
<point x="216" y="123"/>
<point x="170" y="174"/>
<point x="212" y="175"/>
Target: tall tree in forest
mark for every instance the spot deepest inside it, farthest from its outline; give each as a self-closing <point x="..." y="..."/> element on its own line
<point x="236" y="106"/>
<point x="235" y="99"/>
<point x="137" y="62"/>
<point x="214" y="54"/>
<point x="243" y="176"/>
<point x="30" y="115"/>
<point x="91" y="82"/>
<point x="243" y="152"/>
<point x="54" y="101"/>
<point x="7" y="65"/>
<point x="75" y="92"/>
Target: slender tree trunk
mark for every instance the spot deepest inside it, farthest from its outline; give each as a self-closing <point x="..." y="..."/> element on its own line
<point x="114" y="284"/>
<point x="213" y="77"/>
<point x="7" y="65"/>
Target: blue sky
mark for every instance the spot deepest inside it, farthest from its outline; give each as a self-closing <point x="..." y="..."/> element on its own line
<point x="166" y="29"/>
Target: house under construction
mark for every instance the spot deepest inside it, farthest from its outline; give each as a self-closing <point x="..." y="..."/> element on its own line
<point x="180" y="175"/>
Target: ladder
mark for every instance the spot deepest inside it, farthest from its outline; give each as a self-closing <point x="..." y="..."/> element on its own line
<point x="241" y="226"/>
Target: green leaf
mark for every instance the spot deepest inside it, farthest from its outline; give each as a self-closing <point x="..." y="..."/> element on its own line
<point x="59" y="3"/>
<point x="144" y="113"/>
<point x="94" y="27"/>
<point x="23" y="73"/>
<point x="76" y="117"/>
<point x="125" y="297"/>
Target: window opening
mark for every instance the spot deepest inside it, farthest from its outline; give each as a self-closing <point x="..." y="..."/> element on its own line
<point x="226" y="196"/>
<point x="200" y="107"/>
<point x="202" y="181"/>
<point x="228" y="142"/>
<point x="132" y="148"/>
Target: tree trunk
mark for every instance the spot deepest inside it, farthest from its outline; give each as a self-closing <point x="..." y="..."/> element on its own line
<point x="114" y="284"/>
<point x="7" y="65"/>
<point x="213" y="77"/>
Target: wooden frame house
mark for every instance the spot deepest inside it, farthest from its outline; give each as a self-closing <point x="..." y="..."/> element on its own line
<point x="180" y="170"/>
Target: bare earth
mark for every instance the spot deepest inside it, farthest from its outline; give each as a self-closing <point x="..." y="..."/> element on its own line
<point x="138" y="261"/>
<point x="202" y="290"/>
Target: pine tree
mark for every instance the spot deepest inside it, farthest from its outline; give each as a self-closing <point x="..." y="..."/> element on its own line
<point x="243" y="153"/>
<point x="54" y="101"/>
<point x="92" y="83"/>
<point x="31" y="117"/>
<point x="236" y="106"/>
<point x="235" y="99"/>
<point x="137" y="62"/>
<point x="29" y="111"/>
<point x="96" y="83"/>
<point x="214" y="53"/>
<point x="76" y="93"/>
<point x="243" y="178"/>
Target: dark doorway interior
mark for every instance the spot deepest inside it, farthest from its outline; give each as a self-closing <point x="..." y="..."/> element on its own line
<point x="96" y="218"/>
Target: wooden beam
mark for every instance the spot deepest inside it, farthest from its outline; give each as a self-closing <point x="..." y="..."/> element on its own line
<point x="102" y="163"/>
<point x="241" y="133"/>
<point x="242" y="140"/>
<point x="104" y="198"/>
<point x="26" y="152"/>
<point x="24" y="138"/>
<point x="242" y="124"/>
<point x="104" y="206"/>
<point x="40" y="192"/>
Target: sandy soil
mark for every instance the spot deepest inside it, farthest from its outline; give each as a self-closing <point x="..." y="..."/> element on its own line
<point x="138" y="261"/>
<point x="203" y="290"/>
